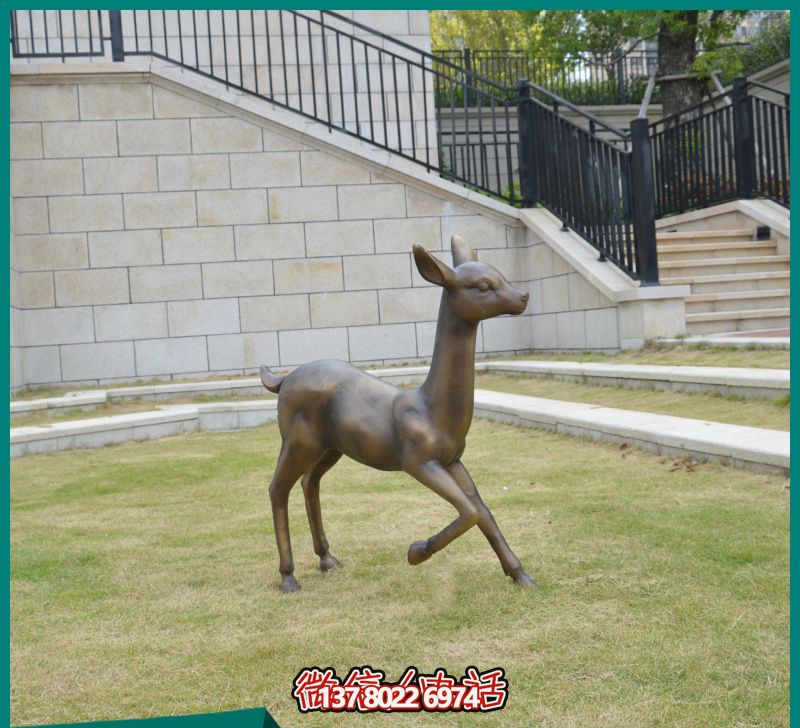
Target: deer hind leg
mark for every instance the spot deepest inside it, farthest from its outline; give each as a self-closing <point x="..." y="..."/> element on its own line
<point x="435" y="476"/>
<point x="511" y="564"/>
<point x="310" y="483"/>
<point x="289" y="468"/>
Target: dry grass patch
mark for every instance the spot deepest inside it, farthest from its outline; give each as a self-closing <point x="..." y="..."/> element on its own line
<point x="143" y="582"/>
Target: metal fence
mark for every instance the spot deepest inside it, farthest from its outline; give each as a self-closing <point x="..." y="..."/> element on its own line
<point x="733" y="145"/>
<point x="585" y="78"/>
<point x="512" y="143"/>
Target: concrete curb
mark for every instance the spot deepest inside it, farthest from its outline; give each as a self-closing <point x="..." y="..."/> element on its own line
<point x="753" y="448"/>
<point x="743" y="382"/>
<point x="738" y="381"/>
<point x="748" y="447"/>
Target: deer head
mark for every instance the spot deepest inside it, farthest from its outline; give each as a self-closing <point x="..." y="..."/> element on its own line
<point x="474" y="291"/>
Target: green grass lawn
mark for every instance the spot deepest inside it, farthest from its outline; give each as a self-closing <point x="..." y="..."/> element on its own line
<point x="144" y="582"/>
<point x="677" y="355"/>
<point x="773" y="414"/>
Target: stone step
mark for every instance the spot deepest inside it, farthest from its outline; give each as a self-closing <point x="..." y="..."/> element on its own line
<point x="704" y="251"/>
<point x="734" y="282"/>
<point x="722" y="266"/>
<point x="740" y="233"/>
<point x="730" y="321"/>
<point x="748" y="447"/>
<point x="737" y="300"/>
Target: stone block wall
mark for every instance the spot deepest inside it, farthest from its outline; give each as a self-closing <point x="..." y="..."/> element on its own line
<point x="156" y="235"/>
<point x="303" y="61"/>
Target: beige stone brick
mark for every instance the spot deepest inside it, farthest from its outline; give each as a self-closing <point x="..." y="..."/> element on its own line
<point x="159" y="209"/>
<point x="46" y="102"/>
<point x="477" y="230"/>
<point x="555" y="295"/>
<point x="154" y="136"/>
<point x="29" y="215"/>
<point x="26" y="140"/>
<point x="242" y="351"/>
<point x="39" y="178"/>
<point x="194" y="172"/>
<point x="230" y="207"/>
<point x="508" y="333"/>
<point x="301" y="347"/>
<point x="97" y="361"/>
<point x="321" y="168"/>
<point x="35" y="290"/>
<point x="541" y="261"/>
<point x="275" y="313"/>
<point x="423" y="204"/>
<point x="130" y="321"/>
<point x="165" y="283"/>
<point x="246" y="278"/>
<point x="602" y="329"/>
<point x="124" y="248"/>
<point x="41" y="364"/>
<point x="255" y="242"/>
<point x="116" y="101"/>
<point x="308" y="276"/>
<point x="51" y="326"/>
<point x="51" y="252"/>
<point x="193" y="318"/>
<point x="226" y="134"/>
<point x="426" y="338"/>
<point x="560" y="266"/>
<point x="302" y="204"/>
<point x="339" y="238"/>
<point x="265" y="169"/>
<point x="371" y="343"/>
<point x="80" y="139"/>
<point x="571" y="330"/>
<point x="87" y="287"/>
<point x="91" y="212"/>
<point x="513" y="263"/>
<point x="545" y="331"/>
<point x="120" y="174"/>
<point x="171" y="356"/>
<point x="583" y="294"/>
<point x="397" y="236"/>
<point x="377" y="271"/>
<point x="347" y="308"/>
<point x="275" y="142"/>
<point x="410" y="304"/>
<point x="169" y="104"/>
<point x="371" y="201"/>
<point x="198" y="244"/>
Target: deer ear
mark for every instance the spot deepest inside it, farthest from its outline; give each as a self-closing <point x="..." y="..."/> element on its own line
<point x="432" y="269"/>
<point x="462" y="252"/>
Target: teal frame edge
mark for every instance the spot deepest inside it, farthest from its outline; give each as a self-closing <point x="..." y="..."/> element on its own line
<point x="249" y="718"/>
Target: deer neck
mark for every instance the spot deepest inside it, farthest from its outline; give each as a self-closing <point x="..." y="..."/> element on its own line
<point x="450" y="385"/>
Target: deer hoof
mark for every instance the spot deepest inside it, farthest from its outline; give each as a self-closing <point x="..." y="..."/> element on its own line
<point x="289" y="584"/>
<point x="329" y="563"/>
<point x="522" y="579"/>
<point x="418" y="552"/>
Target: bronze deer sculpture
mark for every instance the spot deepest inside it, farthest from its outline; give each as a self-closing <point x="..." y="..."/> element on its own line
<point x="329" y="408"/>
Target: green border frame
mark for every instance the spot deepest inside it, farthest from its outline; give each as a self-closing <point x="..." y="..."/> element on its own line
<point x="257" y="717"/>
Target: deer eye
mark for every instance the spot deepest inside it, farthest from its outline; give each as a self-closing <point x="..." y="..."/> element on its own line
<point x="482" y="286"/>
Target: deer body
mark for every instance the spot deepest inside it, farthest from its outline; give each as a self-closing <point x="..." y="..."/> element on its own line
<point x="330" y="408"/>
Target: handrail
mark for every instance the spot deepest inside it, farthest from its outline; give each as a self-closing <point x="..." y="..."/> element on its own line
<point x="576" y="109"/>
<point x="651" y="84"/>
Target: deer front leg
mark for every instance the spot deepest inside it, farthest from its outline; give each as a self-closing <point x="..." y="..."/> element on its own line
<point x="433" y="475"/>
<point x="511" y="564"/>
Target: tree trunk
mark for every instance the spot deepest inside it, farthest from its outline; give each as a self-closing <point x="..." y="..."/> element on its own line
<point x="676" y="53"/>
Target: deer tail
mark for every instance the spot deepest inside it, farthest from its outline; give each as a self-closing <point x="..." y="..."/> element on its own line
<point x="270" y="381"/>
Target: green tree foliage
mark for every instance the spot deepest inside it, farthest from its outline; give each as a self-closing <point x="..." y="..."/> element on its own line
<point x="481" y="29"/>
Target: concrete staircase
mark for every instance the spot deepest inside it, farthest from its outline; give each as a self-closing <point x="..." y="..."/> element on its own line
<point x="737" y="283"/>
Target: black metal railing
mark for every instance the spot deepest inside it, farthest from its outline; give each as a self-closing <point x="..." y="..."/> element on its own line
<point x="586" y="78"/>
<point x="736" y="144"/>
<point x="57" y="33"/>
<point x="601" y="189"/>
